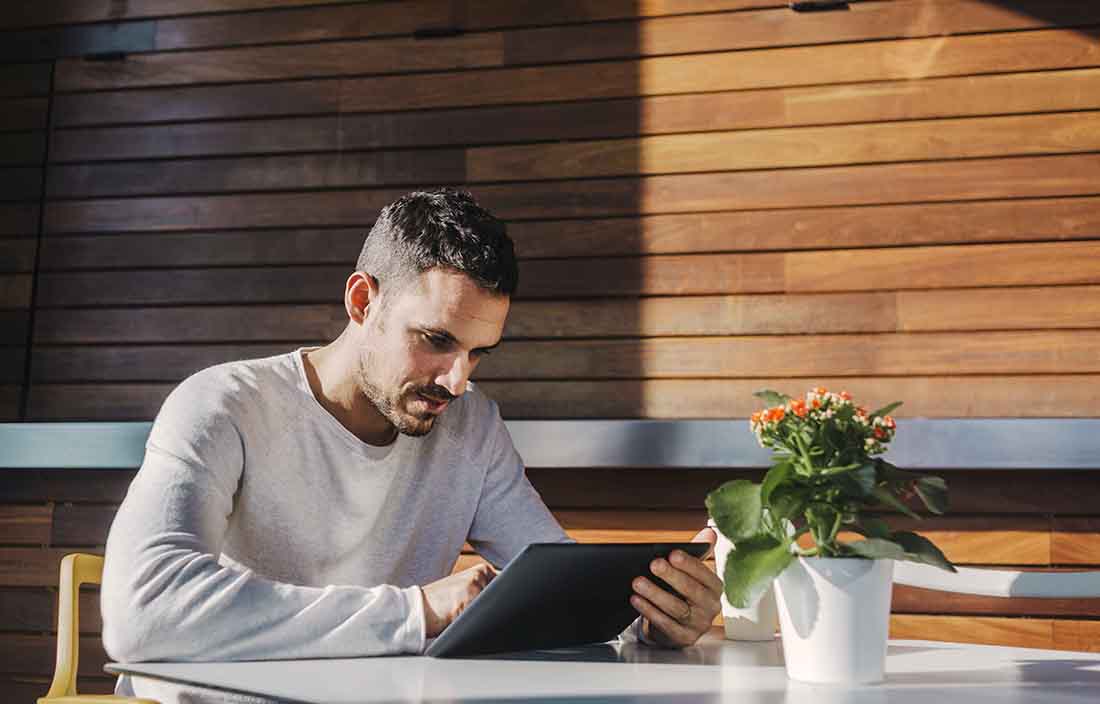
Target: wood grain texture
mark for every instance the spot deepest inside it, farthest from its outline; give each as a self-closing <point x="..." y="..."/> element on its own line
<point x="1049" y="396"/>
<point x="34" y="654"/>
<point x="25" y="525"/>
<point x="745" y="231"/>
<point x="700" y="152"/>
<point x="1044" y="91"/>
<point x="10" y="400"/>
<point x="912" y="600"/>
<point x="31" y="567"/>
<point x="1076" y="540"/>
<point x="20" y="182"/>
<point x="979" y="179"/>
<point x="17" y="254"/>
<point x="24" y="80"/>
<point x="721" y="71"/>
<point x="1017" y="632"/>
<point x="22" y="148"/>
<point x="57" y="485"/>
<point x="28" y="610"/>
<point x="1083" y="636"/>
<point x="18" y="219"/>
<point x="550" y="45"/>
<point x="52" y="12"/>
<point x="15" y="290"/>
<point x="14" y="326"/>
<point x="81" y="525"/>
<point x="23" y="113"/>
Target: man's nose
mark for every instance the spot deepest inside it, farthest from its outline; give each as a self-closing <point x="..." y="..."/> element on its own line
<point x="455" y="378"/>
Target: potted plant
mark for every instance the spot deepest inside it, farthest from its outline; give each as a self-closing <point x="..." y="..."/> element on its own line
<point x="833" y="595"/>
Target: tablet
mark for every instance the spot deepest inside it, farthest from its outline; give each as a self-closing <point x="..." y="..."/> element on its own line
<point x="556" y="595"/>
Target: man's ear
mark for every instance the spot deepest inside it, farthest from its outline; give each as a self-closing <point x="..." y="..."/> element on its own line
<point x="360" y="291"/>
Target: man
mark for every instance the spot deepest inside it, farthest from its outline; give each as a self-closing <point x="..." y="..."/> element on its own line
<point x="312" y="504"/>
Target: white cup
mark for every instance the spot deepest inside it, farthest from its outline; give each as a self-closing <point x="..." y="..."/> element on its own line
<point x="760" y="620"/>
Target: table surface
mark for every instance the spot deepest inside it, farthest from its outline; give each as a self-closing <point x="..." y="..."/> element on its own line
<point x="714" y="670"/>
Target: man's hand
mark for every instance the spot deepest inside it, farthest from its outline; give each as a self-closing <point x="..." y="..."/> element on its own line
<point x="445" y="599"/>
<point x="678" y="620"/>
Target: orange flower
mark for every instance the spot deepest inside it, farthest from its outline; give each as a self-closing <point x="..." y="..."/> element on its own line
<point x="845" y="395"/>
<point x="889" y="422"/>
<point x="799" y="408"/>
<point x="756" y="418"/>
<point x="776" y="414"/>
<point x="817" y="403"/>
<point x="880" y="433"/>
<point x="820" y="390"/>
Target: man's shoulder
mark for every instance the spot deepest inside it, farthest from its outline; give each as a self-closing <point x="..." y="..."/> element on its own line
<point x="231" y="386"/>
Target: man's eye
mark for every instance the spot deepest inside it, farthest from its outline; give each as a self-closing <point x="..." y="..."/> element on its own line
<point x="440" y="343"/>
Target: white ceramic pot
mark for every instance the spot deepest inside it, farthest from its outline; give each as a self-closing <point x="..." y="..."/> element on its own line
<point x="756" y="623"/>
<point x="834" y="616"/>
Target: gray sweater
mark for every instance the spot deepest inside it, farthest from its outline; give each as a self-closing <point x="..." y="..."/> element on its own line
<point x="259" y="527"/>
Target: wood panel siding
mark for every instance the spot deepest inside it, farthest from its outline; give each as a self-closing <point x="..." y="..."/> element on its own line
<point x="707" y="197"/>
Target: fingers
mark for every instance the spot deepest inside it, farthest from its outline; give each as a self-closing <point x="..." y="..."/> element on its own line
<point x="674" y="632"/>
<point x="673" y="606"/>
<point x="697" y="569"/>
<point x="695" y="591"/>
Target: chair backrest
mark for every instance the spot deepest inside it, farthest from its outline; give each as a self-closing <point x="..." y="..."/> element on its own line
<point x="1002" y="583"/>
<point x="76" y="569"/>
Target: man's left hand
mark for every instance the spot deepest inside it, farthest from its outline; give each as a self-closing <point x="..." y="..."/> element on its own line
<point x="677" y="620"/>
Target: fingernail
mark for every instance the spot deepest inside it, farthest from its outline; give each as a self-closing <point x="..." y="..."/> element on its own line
<point x="676" y="556"/>
<point x="658" y="566"/>
<point x="639" y="585"/>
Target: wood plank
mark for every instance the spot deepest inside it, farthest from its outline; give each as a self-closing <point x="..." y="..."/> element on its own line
<point x="81" y="525"/>
<point x="155" y="363"/>
<point x="256" y="173"/>
<point x="917" y="140"/>
<point x="203" y="324"/>
<point x="1027" y="352"/>
<point x="588" y="42"/>
<point x="18" y="219"/>
<point x="1038" y="308"/>
<point x="11" y="398"/>
<point x="979" y="179"/>
<point x="52" y="12"/>
<point x="24" y="80"/>
<point x="1049" y="396"/>
<point x="1016" y="632"/>
<point x="28" y="610"/>
<point x="22" y="148"/>
<point x="15" y="290"/>
<point x="904" y="354"/>
<point x="25" y="525"/>
<point x="798" y="228"/>
<point x="27" y="688"/>
<point x="34" y="654"/>
<point x="32" y="567"/>
<point x="17" y="254"/>
<point x="270" y="247"/>
<point x="12" y="364"/>
<point x="14" y="326"/>
<point x="1076" y="540"/>
<point x="721" y="71"/>
<point x="98" y="485"/>
<point x="20" y="183"/>
<point x="23" y="113"/>
<point x="1004" y="308"/>
<point x="984" y="540"/>
<point x="1083" y="636"/>
<point x="1043" y="91"/>
<point x="912" y="600"/>
<point x="945" y="266"/>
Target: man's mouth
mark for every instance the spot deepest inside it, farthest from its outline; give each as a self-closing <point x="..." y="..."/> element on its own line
<point x="434" y="405"/>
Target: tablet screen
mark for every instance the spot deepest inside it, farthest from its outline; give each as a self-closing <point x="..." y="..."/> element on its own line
<point x="556" y="595"/>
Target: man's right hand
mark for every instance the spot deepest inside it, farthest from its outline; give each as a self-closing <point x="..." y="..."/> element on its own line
<point x="445" y="599"/>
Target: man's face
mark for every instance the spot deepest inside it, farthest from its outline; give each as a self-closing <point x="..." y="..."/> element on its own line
<point x="420" y="348"/>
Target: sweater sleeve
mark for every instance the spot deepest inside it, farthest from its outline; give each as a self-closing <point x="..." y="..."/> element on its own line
<point x="165" y="595"/>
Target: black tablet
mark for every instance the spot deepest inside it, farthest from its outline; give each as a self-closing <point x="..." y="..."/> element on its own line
<point x="556" y="595"/>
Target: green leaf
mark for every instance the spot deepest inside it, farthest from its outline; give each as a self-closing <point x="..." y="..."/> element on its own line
<point x="735" y="507"/>
<point x="872" y="527"/>
<point x="885" y="409"/>
<point x="920" y="549"/>
<point x="876" y="549"/>
<point x="776" y="476"/>
<point x="751" y="567"/>
<point x="886" y="497"/>
<point x="933" y="492"/>
<point x="772" y="398"/>
<point x="787" y="501"/>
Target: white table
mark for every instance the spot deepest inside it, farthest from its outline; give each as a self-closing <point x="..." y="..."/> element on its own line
<point x="714" y="670"/>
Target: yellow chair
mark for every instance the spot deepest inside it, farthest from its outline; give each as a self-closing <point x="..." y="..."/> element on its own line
<point x="76" y="569"/>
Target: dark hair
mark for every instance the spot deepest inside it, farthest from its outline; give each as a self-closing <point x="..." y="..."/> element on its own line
<point x="442" y="228"/>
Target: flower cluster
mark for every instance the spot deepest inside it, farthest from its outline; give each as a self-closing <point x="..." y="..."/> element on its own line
<point x="824" y="413"/>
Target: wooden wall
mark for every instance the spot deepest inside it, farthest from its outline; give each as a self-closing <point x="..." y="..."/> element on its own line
<point x="709" y="196"/>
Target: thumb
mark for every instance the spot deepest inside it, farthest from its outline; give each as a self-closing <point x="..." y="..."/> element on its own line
<point x="707" y="535"/>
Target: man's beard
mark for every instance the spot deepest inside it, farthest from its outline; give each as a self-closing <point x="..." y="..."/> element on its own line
<point x="394" y="407"/>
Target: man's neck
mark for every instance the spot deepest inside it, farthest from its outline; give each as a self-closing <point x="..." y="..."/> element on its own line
<point x="330" y="373"/>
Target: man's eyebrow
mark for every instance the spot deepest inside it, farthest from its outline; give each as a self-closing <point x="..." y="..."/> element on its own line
<point x="451" y="338"/>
